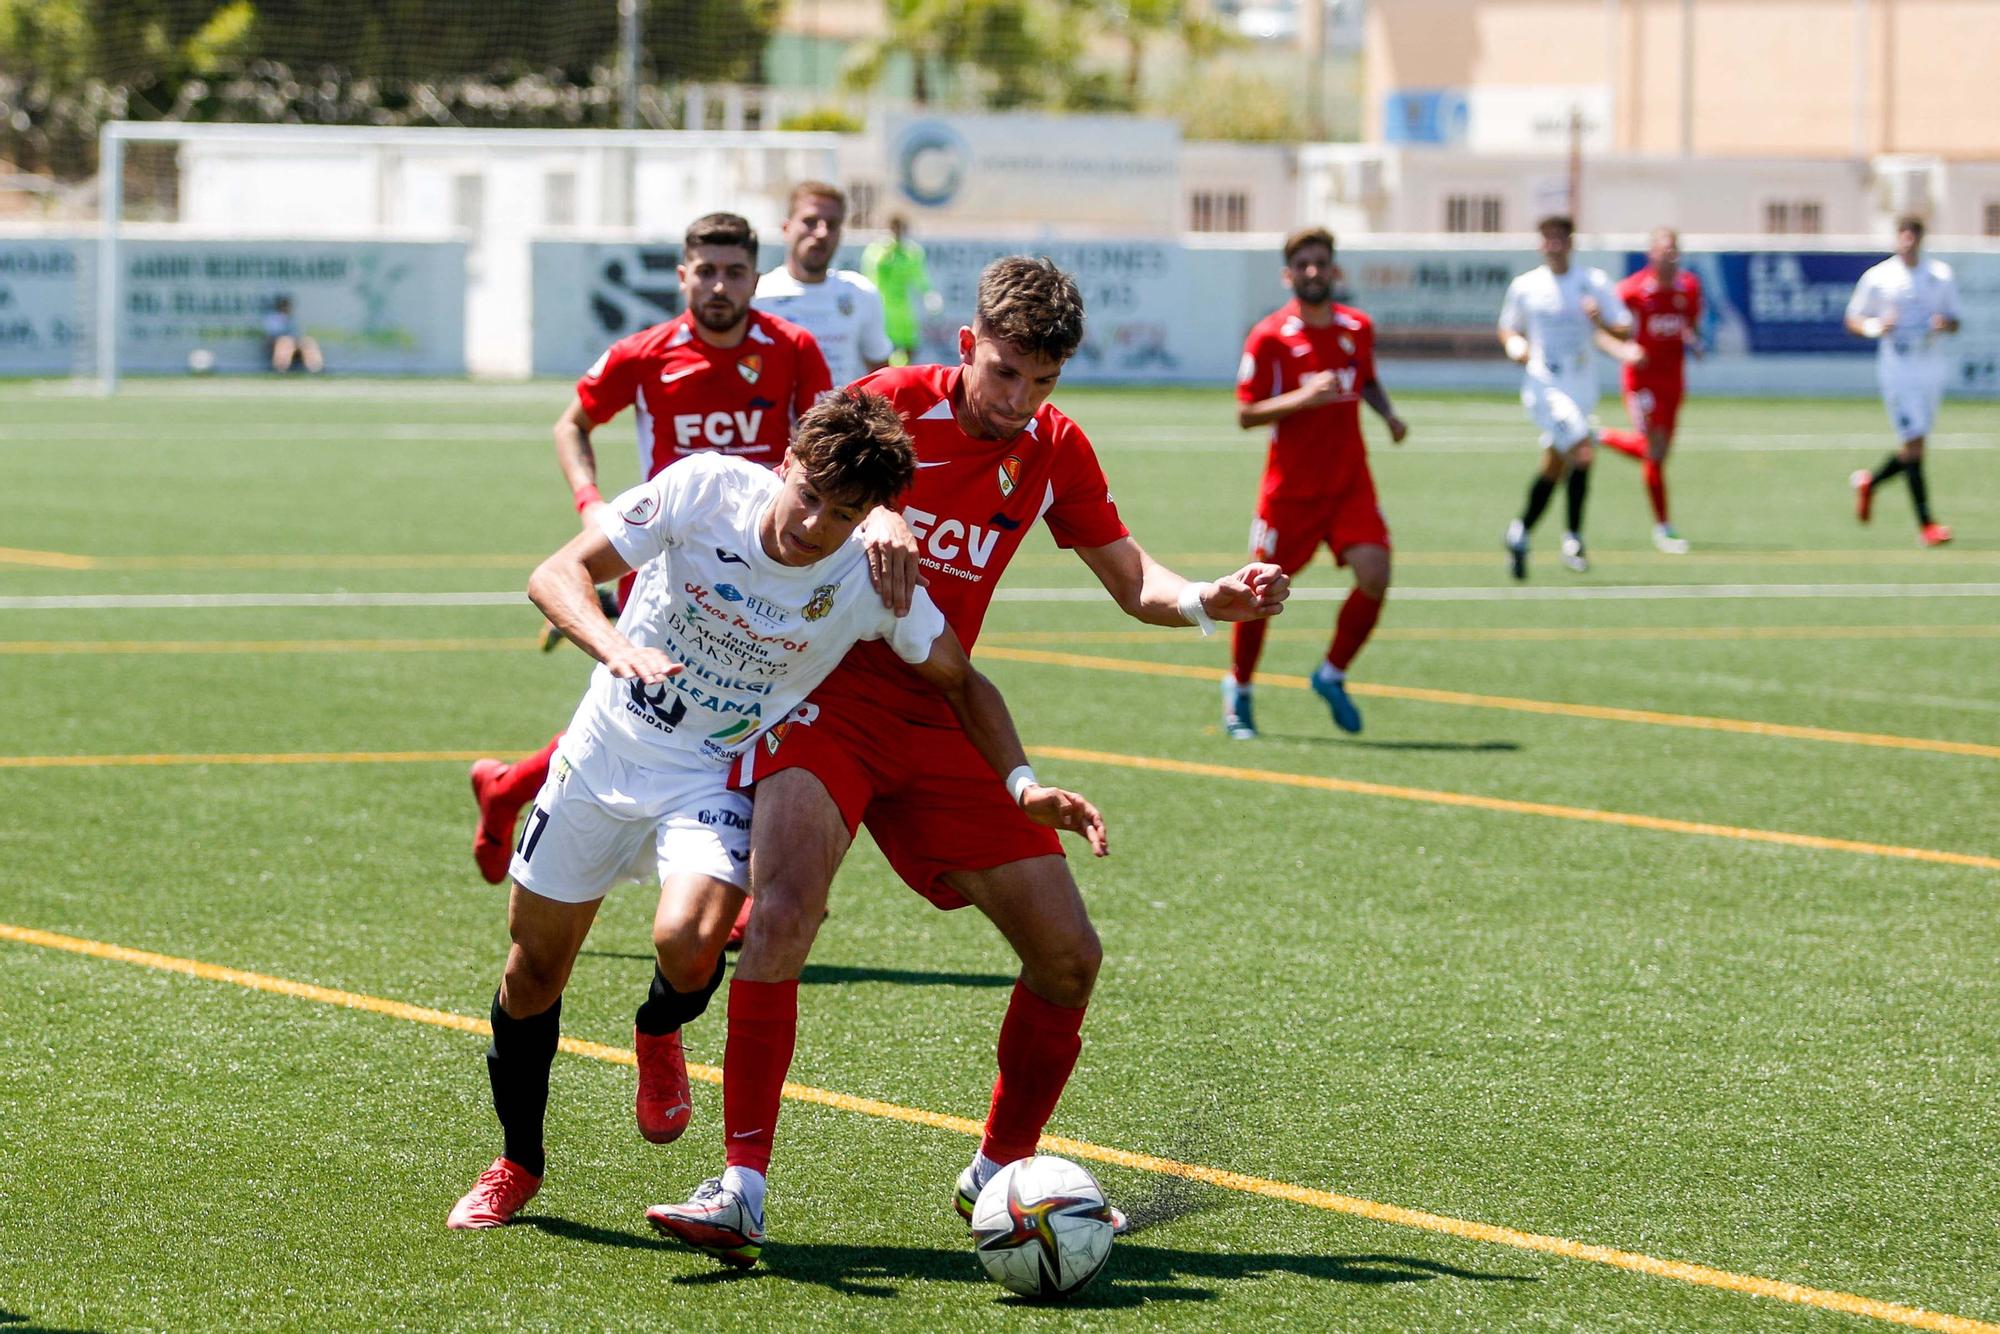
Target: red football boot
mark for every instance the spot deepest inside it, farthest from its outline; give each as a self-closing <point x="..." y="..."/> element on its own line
<point x="1863" y="483"/>
<point x="493" y="841"/>
<point x="496" y="1197"/>
<point x="1934" y="535"/>
<point x="662" y="1105"/>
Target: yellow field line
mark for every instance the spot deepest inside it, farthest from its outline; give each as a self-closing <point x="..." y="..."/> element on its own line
<point x="48" y="560"/>
<point x="166" y="646"/>
<point x="1349" y="786"/>
<point x="1535" y="634"/>
<point x="334" y="561"/>
<point x="1510" y="806"/>
<point x="1373" y="1210"/>
<point x="1515" y="704"/>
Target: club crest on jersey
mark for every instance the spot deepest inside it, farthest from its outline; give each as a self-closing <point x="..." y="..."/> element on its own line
<point x="776" y="737"/>
<point x="1346" y="344"/>
<point x="822" y="601"/>
<point x="845" y="305"/>
<point x="750" y="367"/>
<point x="1010" y="474"/>
<point x="643" y="509"/>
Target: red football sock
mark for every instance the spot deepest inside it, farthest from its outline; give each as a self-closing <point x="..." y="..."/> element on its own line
<point x="1357" y="619"/>
<point x="1625" y="442"/>
<point x="1039" y="1043"/>
<point x="1246" y="645"/>
<point x="524" y="777"/>
<point x="763" y="1029"/>
<point x="1655" y="478"/>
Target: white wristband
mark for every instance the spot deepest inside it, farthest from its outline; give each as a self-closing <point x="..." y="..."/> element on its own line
<point x="1191" y="608"/>
<point x="1871" y="327"/>
<point x="1517" y="347"/>
<point x="1019" y="782"/>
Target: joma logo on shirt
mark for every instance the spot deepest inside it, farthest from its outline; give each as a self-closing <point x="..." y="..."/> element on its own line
<point x="950" y="539"/>
<point x="717" y="428"/>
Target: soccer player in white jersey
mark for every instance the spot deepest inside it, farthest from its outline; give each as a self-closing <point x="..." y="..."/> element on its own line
<point x="1552" y="317"/>
<point x="755" y="585"/>
<point x="1906" y="304"/>
<point x="838" y="307"/>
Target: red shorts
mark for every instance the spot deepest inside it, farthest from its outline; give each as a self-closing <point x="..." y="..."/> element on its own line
<point x="1288" y="532"/>
<point x="929" y="798"/>
<point x="1651" y="403"/>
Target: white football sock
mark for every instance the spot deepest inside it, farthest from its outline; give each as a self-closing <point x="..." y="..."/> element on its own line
<point x="748" y="1183"/>
<point x="983" y="1169"/>
<point x="1326" y="671"/>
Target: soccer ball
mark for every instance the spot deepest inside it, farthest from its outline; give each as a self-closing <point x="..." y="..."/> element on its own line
<point x="1041" y="1227"/>
<point x="201" y="361"/>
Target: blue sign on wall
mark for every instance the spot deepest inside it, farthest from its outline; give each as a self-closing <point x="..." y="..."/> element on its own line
<point x="1780" y="300"/>
<point x="1425" y="116"/>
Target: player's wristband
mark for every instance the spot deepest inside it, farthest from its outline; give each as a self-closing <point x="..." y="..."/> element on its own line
<point x="1191" y="608"/>
<point x="1019" y="782"/>
<point x="588" y="495"/>
<point x="1871" y="328"/>
<point x="1517" y="347"/>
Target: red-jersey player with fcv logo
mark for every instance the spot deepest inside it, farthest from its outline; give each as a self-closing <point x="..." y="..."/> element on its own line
<point x="1307" y="369"/>
<point x="1665" y="301"/>
<point x="873" y="746"/>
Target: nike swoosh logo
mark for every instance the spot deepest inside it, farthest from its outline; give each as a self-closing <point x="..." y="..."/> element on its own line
<point x="746" y="1134"/>
<point x="668" y="377"/>
<point x="939" y="464"/>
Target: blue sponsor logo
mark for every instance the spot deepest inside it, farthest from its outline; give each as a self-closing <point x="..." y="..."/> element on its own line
<point x="932" y="160"/>
<point x="728" y="593"/>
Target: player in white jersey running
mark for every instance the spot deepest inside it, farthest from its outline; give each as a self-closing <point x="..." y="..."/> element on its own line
<point x="754" y="588"/>
<point x="1906" y="304"/>
<point x="1550" y="321"/>
<point x="838" y="307"/>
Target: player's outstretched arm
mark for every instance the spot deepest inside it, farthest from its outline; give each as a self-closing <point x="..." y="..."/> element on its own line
<point x="565" y="588"/>
<point x="983" y="714"/>
<point x="578" y="461"/>
<point x="1316" y="390"/>
<point x="1148" y="591"/>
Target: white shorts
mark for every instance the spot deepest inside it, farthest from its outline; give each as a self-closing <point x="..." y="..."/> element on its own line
<point x="1561" y="411"/>
<point x="601" y="819"/>
<point x="1912" y="401"/>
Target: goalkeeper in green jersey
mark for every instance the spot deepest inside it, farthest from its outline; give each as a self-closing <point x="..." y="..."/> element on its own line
<point x="896" y="267"/>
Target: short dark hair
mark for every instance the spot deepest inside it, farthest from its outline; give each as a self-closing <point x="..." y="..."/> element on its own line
<point x="1561" y="222"/>
<point x="1032" y="306"/>
<point x="814" y="190"/>
<point x="1910" y="222"/>
<point x="851" y="444"/>
<point x="1306" y="236"/>
<point x="721" y="229"/>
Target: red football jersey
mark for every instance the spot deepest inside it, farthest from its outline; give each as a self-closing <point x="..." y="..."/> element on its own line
<point x="1663" y="319"/>
<point x="973" y="501"/>
<point x="1318" y="451"/>
<point x="690" y="396"/>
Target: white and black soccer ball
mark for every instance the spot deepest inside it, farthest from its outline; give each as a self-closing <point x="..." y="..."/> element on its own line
<point x="1041" y="1227"/>
<point x="201" y="361"/>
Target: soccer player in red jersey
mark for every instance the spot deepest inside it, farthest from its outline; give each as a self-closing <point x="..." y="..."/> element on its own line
<point x="1665" y="301"/>
<point x="1307" y="368"/>
<point x="874" y="746"/>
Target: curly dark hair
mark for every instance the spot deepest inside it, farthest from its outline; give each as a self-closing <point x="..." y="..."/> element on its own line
<point x="1032" y="306"/>
<point x="851" y="444"/>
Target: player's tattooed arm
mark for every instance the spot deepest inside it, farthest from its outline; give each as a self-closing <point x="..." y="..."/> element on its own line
<point x="1376" y="397"/>
<point x="578" y="461"/>
<point x="565" y="588"/>
<point x="983" y="714"/>
<point x="893" y="565"/>
<point x="1148" y="591"/>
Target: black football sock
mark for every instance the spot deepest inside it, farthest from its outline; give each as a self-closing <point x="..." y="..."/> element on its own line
<point x="1890" y="467"/>
<point x="517" y="1065"/>
<point x="1538" y="500"/>
<point x="666" y="1010"/>
<point x="1579" y="486"/>
<point x="1920" y="491"/>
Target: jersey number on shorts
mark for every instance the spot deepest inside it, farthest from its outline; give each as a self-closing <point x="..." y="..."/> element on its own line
<point x="531" y="831"/>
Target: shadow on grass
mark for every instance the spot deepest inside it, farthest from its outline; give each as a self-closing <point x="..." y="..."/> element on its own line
<point x="1138" y="1274"/>
<point x="1471" y="747"/>
<point x="13" y="1322"/>
<point x="569" y="1230"/>
<point x="831" y="974"/>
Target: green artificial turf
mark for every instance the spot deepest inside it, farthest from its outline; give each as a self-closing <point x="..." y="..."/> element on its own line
<point x="1770" y="1060"/>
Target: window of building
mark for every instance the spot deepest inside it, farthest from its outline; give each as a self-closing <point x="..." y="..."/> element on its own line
<point x="1219" y="211"/>
<point x="864" y="204"/>
<point x="468" y="200"/>
<point x="559" y="199"/>
<point x="1792" y="217"/>
<point x="1992" y="211"/>
<point x="1472" y="213"/>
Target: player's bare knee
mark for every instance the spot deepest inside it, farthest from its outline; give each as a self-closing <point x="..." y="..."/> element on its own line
<point x="534" y="981"/>
<point x="1067" y="974"/>
<point x="784" y="921"/>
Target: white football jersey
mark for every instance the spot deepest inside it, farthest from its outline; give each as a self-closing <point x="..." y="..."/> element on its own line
<point x="1913" y="296"/>
<point x="1547" y="310"/>
<point x="754" y="635"/>
<point x="844" y="313"/>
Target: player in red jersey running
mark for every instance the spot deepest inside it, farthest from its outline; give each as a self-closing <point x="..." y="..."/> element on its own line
<point x="1307" y="368"/>
<point x="874" y="746"/>
<point x="1665" y="301"/>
